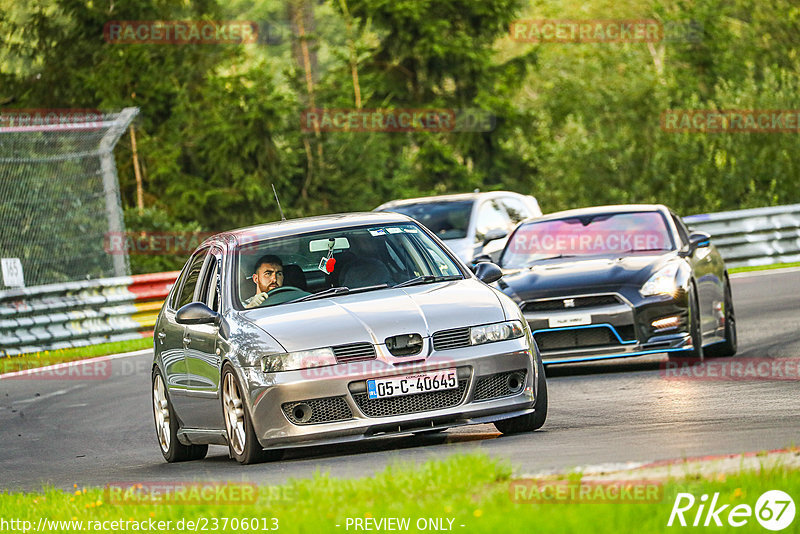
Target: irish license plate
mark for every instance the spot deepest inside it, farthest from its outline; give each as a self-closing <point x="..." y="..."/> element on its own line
<point x="379" y="388"/>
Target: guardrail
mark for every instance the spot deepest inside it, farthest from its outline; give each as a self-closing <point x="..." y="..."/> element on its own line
<point x="759" y="236"/>
<point x="76" y="314"/>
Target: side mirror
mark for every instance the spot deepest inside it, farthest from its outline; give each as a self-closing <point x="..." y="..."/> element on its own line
<point x="494" y="234"/>
<point x="197" y="313"/>
<point x="697" y="240"/>
<point x="487" y="272"/>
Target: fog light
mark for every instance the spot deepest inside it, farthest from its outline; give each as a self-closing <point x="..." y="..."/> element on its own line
<point x="667" y="323"/>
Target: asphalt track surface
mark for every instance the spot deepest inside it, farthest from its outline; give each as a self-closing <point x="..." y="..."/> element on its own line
<point x="62" y="432"/>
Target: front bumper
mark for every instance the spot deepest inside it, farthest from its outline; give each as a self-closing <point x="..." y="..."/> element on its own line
<point x="621" y="326"/>
<point x="340" y="411"/>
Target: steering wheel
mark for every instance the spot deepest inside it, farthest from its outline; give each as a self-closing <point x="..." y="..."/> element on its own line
<point x="283" y="289"/>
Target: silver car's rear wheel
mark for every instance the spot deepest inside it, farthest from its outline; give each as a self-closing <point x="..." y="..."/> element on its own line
<point x="167" y="426"/>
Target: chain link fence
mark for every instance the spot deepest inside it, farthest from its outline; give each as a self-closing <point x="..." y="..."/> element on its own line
<point x="59" y="193"/>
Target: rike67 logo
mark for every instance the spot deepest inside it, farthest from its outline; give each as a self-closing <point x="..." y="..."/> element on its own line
<point x="774" y="510"/>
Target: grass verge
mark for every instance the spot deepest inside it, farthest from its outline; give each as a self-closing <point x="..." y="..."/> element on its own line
<point x="51" y="357"/>
<point x="464" y="493"/>
<point x="749" y="268"/>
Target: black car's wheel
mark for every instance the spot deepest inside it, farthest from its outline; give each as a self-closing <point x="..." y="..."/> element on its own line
<point x="242" y="442"/>
<point x="167" y="426"/>
<point x="532" y="421"/>
<point x="728" y="347"/>
<point x="696" y="353"/>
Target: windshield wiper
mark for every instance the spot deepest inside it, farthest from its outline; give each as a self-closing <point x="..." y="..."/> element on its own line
<point x="646" y="250"/>
<point x="341" y="290"/>
<point x="427" y="279"/>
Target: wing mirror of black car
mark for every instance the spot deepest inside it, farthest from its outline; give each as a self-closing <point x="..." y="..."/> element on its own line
<point x="697" y="240"/>
<point x="197" y="313"/>
<point x="494" y="234"/>
<point x="487" y="272"/>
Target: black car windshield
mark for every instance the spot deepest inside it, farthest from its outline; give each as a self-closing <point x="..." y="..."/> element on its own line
<point x="448" y="219"/>
<point x="327" y="264"/>
<point x="590" y="235"/>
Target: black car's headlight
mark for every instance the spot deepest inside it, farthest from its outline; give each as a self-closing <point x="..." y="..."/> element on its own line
<point x="301" y="359"/>
<point x="490" y="333"/>
<point x="663" y="282"/>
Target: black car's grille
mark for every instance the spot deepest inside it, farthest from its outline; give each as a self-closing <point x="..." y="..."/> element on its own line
<point x="355" y="352"/>
<point x="570" y="303"/>
<point x="499" y="385"/>
<point x="418" y="402"/>
<point x="315" y="411"/>
<point x="626" y="332"/>
<point x="451" y="339"/>
<point x="573" y="339"/>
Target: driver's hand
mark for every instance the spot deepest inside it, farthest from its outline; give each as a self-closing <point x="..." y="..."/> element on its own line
<point x="257" y="300"/>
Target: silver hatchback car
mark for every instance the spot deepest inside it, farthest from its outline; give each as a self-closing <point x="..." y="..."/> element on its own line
<point x="370" y="327"/>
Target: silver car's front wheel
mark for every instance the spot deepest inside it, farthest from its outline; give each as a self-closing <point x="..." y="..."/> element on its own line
<point x="167" y="426"/>
<point x="234" y="414"/>
<point x="242" y="441"/>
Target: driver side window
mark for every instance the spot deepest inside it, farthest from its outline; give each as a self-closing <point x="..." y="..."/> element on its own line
<point x="190" y="280"/>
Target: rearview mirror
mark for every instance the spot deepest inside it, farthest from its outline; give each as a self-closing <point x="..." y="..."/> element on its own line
<point x="487" y="272"/>
<point x="494" y="234"/>
<point x="196" y="313"/>
<point x="697" y="240"/>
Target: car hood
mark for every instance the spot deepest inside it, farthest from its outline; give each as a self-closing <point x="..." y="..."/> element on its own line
<point x="574" y="276"/>
<point x="375" y="315"/>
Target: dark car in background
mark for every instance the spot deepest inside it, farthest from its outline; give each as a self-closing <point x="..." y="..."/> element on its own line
<point x="471" y="224"/>
<point x="618" y="281"/>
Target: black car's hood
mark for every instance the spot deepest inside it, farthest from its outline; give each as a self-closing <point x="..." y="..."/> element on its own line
<point x="593" y="274"/>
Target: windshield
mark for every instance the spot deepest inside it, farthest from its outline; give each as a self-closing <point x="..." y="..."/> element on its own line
<point x="446" y="219"/>
<point x="338" y="262"/>
<point x="586" y="236"/>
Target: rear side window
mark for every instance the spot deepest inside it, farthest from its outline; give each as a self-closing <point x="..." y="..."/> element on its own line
<point x="491" y="216"/>
<point x="190" y="279"/>
<point x="516" y="209"/>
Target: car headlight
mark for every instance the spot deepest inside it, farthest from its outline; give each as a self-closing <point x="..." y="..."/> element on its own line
<point x="302" y="359"/>
<point x="490" y="333"/>
<point x="662" y="282"/>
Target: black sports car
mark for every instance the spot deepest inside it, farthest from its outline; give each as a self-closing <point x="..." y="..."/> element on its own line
<point x="618" y="281"/>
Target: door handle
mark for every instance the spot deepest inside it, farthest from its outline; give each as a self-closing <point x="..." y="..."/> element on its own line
<point x="161" y="336"/>
<point x="187" y="340"/>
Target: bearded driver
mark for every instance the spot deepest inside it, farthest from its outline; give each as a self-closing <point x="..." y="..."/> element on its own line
<point x="268" y="276"/>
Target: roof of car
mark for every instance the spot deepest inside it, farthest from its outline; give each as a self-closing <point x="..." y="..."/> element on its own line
<point x="598" y="210"/>
<point x="308" y="224"/>
<point x="445" y="198"/>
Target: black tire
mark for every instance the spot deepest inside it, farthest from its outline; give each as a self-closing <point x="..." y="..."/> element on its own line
<point x="728" y="347"/>
<point x="532" y="421"/>
<point x="167" y="425"/>
<point x="242" y="442"/>
<point x="696" y="353"/>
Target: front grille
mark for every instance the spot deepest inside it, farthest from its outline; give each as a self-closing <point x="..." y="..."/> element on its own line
<point x="579" y="302"/>
<point x="573" y="339"/>
<point x="497" y="385"/>
<point x="451" y="339"/>
<point x="355" y="352"/>
<point x="325" y="410"/>
<point x="418" y="402"/>
<point x="627" y="332"/>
